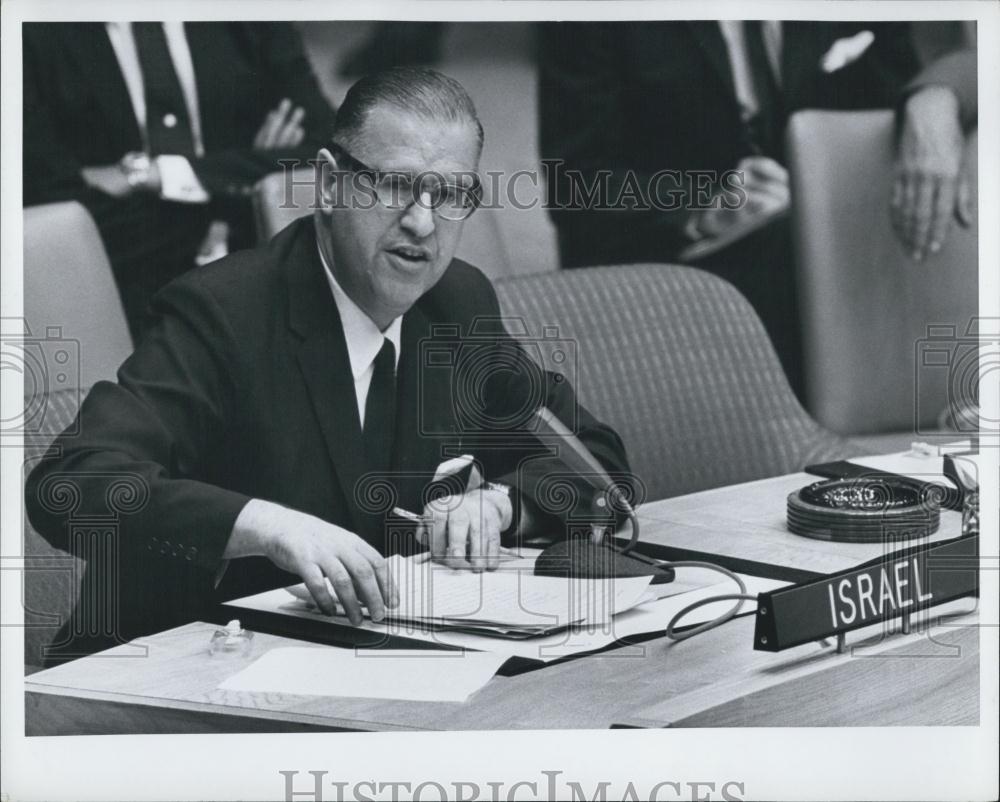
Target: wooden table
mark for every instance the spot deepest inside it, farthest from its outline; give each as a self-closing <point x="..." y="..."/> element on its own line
<point x="929" y="677"/>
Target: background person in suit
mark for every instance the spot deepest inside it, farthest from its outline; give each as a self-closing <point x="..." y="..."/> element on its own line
<point x="159" y="129"/>
<point x="278" y="384"/>
<point x="628" y="100"/>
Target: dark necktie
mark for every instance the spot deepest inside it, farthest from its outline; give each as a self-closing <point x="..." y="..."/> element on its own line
<point x="168" y="126"/>
<point x="380" y="411"/>
<point x="766" y="127"/>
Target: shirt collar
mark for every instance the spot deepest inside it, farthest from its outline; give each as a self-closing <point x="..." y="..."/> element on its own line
<point x="364" y="340"/>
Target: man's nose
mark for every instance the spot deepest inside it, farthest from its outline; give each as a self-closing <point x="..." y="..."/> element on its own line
<point x="418" y="219"/>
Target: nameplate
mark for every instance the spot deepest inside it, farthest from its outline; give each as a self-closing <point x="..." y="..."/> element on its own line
<point x="889" y="587"/>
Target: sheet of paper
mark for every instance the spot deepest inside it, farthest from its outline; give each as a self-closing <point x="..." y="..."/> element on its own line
<point x="421" y="675"/>
<point x="925" y="468"/>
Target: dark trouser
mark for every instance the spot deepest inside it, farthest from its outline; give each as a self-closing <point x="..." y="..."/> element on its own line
<point x="150" y="242"/>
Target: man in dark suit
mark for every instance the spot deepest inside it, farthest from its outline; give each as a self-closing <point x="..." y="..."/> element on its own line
<point x="665" y="112"/>
<point x="283" y="389"/>
<point x="161" y="129"/>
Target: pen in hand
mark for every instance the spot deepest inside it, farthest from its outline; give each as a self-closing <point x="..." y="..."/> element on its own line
<point x="505" y="553"/>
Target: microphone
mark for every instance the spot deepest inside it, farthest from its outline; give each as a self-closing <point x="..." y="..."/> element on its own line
<point x="596" y="557"/>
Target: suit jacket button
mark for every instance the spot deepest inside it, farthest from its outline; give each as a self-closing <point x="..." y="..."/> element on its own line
<point x="164" y="547"/>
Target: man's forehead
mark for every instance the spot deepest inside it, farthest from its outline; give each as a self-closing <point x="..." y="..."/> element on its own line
<point x="395" y="139"/>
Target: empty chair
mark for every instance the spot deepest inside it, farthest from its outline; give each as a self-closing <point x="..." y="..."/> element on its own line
<point x="886" y="340"/>
<point x="69" y="286"/>
<point x="676" y="360"/>
<point x="74" y="333"/>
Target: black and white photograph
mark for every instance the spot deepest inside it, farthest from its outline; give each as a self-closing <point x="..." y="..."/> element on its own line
<point x="500" y="400"/>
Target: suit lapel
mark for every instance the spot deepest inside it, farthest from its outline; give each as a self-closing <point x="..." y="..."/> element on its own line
<point x="325" y="366"/>
<point x="709" y="38"/>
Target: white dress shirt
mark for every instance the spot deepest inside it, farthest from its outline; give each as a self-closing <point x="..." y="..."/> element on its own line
<point x="739" y="61"/>
<point x="177" y="177"/>
<point x="364" y="340"/>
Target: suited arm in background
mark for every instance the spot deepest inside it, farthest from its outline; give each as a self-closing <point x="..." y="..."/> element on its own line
<point x="958" y="72"/>
<point x="284" y="71"/>
<point x="59" y="143"/>
<point x="52" y="170"/>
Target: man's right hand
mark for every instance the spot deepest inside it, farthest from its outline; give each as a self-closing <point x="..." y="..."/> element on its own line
<point x="282" y="128"/>
<point x="765" y="184"/>
<point x="316" y="551"/>
<point x="932" y="182"/>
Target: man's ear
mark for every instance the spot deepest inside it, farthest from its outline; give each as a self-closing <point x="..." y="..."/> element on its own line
<point x="327" y="188"/>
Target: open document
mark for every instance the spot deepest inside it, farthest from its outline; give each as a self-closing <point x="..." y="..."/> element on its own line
<point x="510" y="602"/>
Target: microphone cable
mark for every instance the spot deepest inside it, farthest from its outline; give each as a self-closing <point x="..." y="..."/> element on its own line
<point x="620" y="500"/>
<point x="730" y="614"/>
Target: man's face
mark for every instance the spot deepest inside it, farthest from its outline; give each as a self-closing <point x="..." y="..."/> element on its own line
<point x="385" y="259"/>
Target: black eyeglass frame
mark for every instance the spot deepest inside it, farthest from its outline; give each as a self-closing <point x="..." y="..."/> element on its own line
<point x="351" y="164"/>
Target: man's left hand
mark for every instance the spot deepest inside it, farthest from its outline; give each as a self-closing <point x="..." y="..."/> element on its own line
<point x="108" y="179"/>
<point x="464" y="531"/>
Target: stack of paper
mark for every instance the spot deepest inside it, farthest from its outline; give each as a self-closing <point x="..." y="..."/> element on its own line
<point x="509" y="603"/>
<point x="657" y="604"/>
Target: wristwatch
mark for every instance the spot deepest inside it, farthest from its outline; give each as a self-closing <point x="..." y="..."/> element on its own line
<point x="137" y="167"/>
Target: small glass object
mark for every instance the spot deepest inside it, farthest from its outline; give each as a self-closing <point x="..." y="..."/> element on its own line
<point x="233" y="641"/>
<point x="970" y="512"/>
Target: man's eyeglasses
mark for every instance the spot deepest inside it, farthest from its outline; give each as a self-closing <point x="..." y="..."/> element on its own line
<point x="399" y="190"/>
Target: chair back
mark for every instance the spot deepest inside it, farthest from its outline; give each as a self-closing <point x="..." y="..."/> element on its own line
<point x="280" y="198"/>
<point x="884" y="337"/>
<point x="74" y="334"/>
<point x="676" y="360"/>
<point x="70" y="291"/>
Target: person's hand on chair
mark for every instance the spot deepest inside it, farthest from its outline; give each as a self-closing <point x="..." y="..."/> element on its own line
<point x="931" y="181"/>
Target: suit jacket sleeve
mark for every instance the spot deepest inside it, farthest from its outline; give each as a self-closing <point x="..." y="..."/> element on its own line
<point x="284" y="71"/>
<point x="154" y="432"/>
<point x="957" y="71"/>
<point x="51" y="171"/>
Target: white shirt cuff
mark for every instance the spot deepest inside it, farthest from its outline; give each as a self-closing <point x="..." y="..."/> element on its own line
<point x="178" y="181"/>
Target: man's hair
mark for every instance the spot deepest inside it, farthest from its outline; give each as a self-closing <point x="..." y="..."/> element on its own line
<point x="423" y="92"/>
